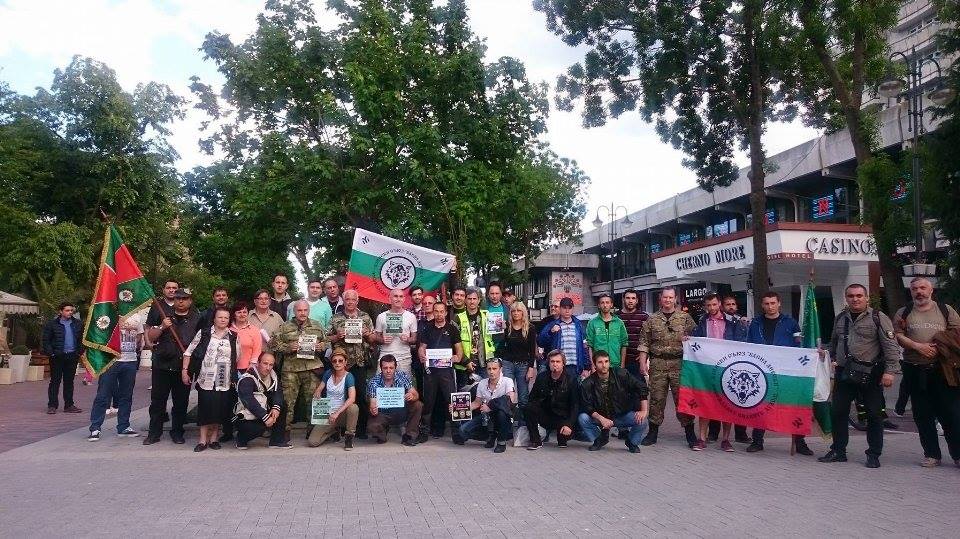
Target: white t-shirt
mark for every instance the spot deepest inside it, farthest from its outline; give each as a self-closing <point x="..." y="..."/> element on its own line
<point x="504" y="385"/>
<point x="130" y="339"/>
<point x="408" y="327"/>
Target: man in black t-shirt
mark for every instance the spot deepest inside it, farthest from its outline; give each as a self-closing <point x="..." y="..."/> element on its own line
<point x="439" y="377"/>
<point x="167" y="358"/>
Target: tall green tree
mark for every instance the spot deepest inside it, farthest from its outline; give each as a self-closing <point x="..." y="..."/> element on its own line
<point x="704" y="72"/>
<point x="391" y="121"/>
<point x="841" y="53"/>
<point x="941" y="160"/>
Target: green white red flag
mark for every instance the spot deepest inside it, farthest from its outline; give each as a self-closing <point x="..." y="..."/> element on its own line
<point x="760" y="386"/>
<point x="379" y="264"/>
<point x="121" y="290"/>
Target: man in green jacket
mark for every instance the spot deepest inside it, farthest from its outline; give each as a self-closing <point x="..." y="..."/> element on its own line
<point x="300" y="342"/>
<point x="608" y="333"/>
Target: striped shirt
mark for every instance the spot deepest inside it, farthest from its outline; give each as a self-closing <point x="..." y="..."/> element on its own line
<point x="634" y="322"/>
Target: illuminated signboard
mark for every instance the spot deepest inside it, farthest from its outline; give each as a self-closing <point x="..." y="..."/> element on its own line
<point x="824" y="207"/>
<point x="684" y="238"/>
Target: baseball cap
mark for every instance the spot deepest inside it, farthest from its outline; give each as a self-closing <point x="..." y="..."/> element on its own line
<point x="566" y="302"/>
<point x="182" y="293"/>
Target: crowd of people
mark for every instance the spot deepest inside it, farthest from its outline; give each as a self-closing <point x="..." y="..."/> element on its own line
<point x="252" y="365"/>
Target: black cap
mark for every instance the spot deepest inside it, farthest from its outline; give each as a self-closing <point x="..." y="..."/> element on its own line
<point x="182" y="293"/>
<point x="566" y="302"/>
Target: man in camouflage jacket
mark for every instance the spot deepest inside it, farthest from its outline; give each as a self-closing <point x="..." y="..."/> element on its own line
<point x="661" y="355"/>
<point x="299" y="375"/>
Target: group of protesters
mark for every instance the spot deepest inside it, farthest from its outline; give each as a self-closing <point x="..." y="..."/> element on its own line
<point x="251" y="364"/>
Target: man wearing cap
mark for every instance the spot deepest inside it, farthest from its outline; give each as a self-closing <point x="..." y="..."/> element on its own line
<point x="661" y="354"/>
<point x="566" y="333"/>
<point x="165" y="377"/>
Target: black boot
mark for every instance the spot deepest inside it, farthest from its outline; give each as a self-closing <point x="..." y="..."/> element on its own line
<point x="491" y="441"/>
<point x="651" y="437"/>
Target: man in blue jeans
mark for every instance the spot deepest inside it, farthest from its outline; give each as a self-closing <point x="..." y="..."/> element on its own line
<point x="117" y="382"/>
<point x="61" y="341"/>
<point x="612" y="397"/>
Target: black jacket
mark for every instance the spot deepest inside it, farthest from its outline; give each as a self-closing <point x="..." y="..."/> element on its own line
<point x="560" y="399"/>
<point x="53" y="333"/>
<point x="196" y="358"/>
<point x="246" y="387"/>
<point x="626" y="391"/>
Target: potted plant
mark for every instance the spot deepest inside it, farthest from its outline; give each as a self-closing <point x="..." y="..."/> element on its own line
<point x="19" y="360"/>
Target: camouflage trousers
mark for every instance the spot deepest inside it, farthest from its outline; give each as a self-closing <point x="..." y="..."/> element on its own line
<point x="299" y="383"/>
<point x="664" y="376"/>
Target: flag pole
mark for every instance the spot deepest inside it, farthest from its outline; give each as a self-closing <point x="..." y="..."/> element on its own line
<point x="173" y="332"/>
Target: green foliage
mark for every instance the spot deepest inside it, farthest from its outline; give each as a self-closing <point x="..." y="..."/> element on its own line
<point x="391" y="122"/>
<point x="892" y="220"/>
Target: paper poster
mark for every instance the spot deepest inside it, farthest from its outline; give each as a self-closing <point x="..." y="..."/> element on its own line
<point x="390" y="397"/>
<point x="353" y="331"/>
<point x="440" y="357"/>
<point x="495" y="323"/>
<point x="320" y="414"/>
<point x="308" y="346"/>
<point x="460" y="402"/>
<point x="394" y="323"/>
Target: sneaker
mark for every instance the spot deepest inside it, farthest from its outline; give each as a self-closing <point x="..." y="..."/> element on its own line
<point x="727" y="446"/>
<point x="691" y="436"/>
<point x="754" y="447"/>
<point x="94" y="436"/>
<point x="242" y="447"/>
<point x="534" y="447"/>
<point x="51" y="410"/>
<point x="347" y="442"/>
<point x="562" y="445"/>
<point x="112" y="411"/>
<point x="150" y="440"/>
<point x="491" y="441"/>
<point x="215" y="445"/>
<point x="929" y="462"/>
<point x="631" y="447"/>
<point x="408" y="441"/>
<point x="872" y="461"/>
<point x="72" y="410"/>
<point x="501" y="447"/>
<point x="281" y="445"/>
<point x="128" y="433"/>
<point x="651" y="437"/>
<point x="601" y="441"/>
<point x="699" y="445"/>
<point x="833" y="456"/>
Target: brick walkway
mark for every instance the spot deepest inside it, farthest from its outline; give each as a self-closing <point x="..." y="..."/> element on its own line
<point x="23" y="410"/>
<point x="64" y="486"/>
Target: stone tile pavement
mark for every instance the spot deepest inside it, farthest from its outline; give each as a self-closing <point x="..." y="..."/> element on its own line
<point x="64" y="486"/>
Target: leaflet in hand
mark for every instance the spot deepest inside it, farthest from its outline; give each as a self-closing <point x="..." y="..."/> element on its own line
<point x="320" y="413"/>
<point x="440" y="358"/>
<point x="495" y="323"/>
<point x="353" y="331"/>
<point x="308" y="346"/>
<point x="390" y="397"/>
<point x="394" y="323"/>
<point x="461" y="406"/>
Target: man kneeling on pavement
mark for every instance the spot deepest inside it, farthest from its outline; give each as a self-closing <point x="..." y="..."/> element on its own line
<point x="553" y="403"/>
<point x="260" y="405"/>
<point x="613" y="398"/>
<point x="408" y="414"/>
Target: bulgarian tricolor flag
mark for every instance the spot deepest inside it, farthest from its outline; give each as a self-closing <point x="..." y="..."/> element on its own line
<point x="765" y="387"/>
<point x="379" y="264"/>
<point x="121" y="290"/>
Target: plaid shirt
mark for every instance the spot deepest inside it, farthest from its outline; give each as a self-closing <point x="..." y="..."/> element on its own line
<point x="420" y="314"/>
<point x="400" y="379"/>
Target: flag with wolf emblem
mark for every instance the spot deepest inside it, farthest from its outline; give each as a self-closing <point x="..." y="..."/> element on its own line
<point x="760" y="386"/>
<point x="379" y="264"/>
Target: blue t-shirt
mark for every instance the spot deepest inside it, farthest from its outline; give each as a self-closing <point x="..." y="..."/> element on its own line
<point x="69" y="342"/>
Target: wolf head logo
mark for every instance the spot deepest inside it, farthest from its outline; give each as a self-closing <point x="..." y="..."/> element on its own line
<point x="743" y="384"/>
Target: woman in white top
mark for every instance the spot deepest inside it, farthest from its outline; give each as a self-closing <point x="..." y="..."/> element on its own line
<point x="211" y="362"/>
<point x="496" y="398"/>
<point x="340" y="387"/>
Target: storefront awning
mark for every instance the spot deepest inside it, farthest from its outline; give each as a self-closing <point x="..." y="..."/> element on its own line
<point x="11" y="304"/>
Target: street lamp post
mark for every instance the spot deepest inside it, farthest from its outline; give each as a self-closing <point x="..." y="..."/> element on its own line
<point x="611" y="211"/>
<point x="912" y="91"/>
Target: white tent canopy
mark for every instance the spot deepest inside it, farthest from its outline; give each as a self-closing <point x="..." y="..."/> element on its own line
<point x="11" y="304"/>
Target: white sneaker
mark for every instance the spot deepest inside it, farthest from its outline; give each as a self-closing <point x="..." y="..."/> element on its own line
<point x="94" y="436"/>
<point x="112" y="411"/>
<point x="128" y="433"/>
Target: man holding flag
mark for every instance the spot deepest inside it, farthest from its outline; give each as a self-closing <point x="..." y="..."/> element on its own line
<point x="113" y="327"/>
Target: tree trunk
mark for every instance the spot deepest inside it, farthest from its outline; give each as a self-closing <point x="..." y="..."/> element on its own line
<point x="755" y="114"/>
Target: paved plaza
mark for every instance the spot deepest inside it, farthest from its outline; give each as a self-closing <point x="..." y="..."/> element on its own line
<point x="64" y="486"/>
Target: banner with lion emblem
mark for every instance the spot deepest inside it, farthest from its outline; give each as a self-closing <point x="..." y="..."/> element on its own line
<point x="760" y="386"/>
<point x="379" y="264"/>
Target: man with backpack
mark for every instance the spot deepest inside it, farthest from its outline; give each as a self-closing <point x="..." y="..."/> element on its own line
<point x="933" y="399"/>
<point x="865" y="355"/>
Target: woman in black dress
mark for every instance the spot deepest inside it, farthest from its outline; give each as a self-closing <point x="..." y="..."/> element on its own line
<point x="211" y="361"/>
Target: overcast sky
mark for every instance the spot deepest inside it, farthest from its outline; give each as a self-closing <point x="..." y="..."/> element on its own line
<point x="158" y="40"/>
